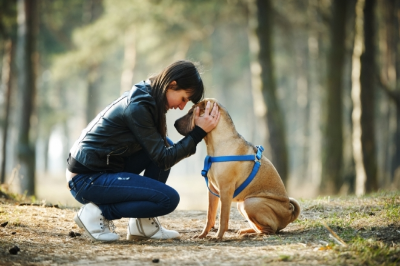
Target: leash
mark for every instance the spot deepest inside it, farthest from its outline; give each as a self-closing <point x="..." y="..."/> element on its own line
<point x="217" y="159"/>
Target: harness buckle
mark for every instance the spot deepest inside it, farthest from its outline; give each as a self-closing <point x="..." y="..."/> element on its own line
<point x="204" y="173"/>
<point x="258" y="155"/>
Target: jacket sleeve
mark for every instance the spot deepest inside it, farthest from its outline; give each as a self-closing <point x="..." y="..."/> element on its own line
<point x="141" y="122"/>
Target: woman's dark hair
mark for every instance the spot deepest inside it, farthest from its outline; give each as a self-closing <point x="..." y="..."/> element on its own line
<point x="186" y="76"/>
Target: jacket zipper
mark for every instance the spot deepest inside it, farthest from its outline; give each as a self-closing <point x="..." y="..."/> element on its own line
<point x="108" y="155"/>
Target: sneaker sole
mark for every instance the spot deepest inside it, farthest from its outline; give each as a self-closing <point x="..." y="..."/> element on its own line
<point x="135" y="237"/>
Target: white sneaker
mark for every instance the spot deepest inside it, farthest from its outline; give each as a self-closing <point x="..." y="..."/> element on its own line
<point x="89" y="217"/>
<point x="145" y="228"/>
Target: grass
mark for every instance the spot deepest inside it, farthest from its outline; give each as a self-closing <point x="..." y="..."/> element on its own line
<point x="371" y="252"/>
<point x="5" y="193"/>
<point x="369" y="225"/>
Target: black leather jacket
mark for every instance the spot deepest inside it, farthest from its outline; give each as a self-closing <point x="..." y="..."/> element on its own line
<point x="124" y="127"/>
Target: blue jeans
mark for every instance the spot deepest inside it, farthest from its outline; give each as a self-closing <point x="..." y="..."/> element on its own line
<point x="128" y="194"/>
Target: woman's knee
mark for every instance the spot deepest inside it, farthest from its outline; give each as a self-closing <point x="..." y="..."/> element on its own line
<point x="174" y="199"/>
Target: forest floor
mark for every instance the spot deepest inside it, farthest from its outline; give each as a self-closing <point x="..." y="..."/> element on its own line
<point x="367" y="229"/>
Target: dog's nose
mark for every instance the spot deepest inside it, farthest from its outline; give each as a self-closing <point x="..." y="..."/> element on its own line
<point x="176" y="125"/>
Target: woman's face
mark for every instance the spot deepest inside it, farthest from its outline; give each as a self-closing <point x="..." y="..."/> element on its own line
<point x="177" y="98"/>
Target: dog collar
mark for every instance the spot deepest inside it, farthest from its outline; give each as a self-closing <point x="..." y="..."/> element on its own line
<point x="217" y="159"/>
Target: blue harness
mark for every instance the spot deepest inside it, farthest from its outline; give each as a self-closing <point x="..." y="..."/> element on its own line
<point x="257" y="162"/>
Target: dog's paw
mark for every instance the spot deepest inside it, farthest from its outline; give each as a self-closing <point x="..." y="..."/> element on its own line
<point x="201" y="236"/>
<point x="246" y="231"/>
<point x="215" y="238"/>
<point x="247" y="235"/>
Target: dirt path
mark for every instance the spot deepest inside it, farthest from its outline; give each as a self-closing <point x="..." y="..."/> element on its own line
<point x="43" y="237"/>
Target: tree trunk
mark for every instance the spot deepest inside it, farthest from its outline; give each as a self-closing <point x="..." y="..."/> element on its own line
<point x="355" y="95"/>
<point x="259" y="108"/>
<point x="316" y="65"/>
<point x="396" y="95"/>
<point x="332" y="155"/>
<point x="390" y="72"/>
<point x="93" y="9"/>
<point x="274" y="116"/>
<point x="363" y="99"/>
<point x="92" y="94"/>
<point x="7" y="84"/>
<point x="396" y="156"/>
<point x="367" y="79"/>
<point x="129" y="59"/>
<point x="26" y="62"/>
<point x="348" y="169"/>
<point x="62" y="92"/>
<point x="46" y="150"/>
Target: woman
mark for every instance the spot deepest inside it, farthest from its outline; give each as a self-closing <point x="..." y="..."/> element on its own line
<point x="126" y="138"/>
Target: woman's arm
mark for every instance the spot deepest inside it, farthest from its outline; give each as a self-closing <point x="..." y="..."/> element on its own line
<point x="141" y="123"/>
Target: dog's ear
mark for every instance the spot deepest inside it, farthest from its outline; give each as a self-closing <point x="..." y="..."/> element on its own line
<point x="192" y="114"/>
<point x="213" y="103"/>
<point x="202" y="105"/>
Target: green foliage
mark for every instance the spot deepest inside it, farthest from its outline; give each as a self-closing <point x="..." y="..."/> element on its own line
<point x="163" y="31"/>
<point x="8" y="18"/>
<point x="156" y="23"/>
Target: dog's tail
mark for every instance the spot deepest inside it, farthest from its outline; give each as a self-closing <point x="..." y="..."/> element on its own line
<point x="296" y="209"/>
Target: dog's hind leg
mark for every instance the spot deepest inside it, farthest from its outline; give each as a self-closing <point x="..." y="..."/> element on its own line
<point x="240" y="207"/>
<point x="261" y="217"/>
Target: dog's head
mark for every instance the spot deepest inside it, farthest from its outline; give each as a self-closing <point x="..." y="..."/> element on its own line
<point x="185" y="124"/>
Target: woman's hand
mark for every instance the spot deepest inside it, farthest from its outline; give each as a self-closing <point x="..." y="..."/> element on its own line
<point x="209" y="120"/>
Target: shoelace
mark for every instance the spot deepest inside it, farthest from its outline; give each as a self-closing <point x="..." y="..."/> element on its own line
<point x="164" y="234"/>
<point x="109" y="224"/>
<point x="155" y="220"/>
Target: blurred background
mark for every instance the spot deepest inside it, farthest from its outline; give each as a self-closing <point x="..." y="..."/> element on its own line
<point x="316" y="82"/>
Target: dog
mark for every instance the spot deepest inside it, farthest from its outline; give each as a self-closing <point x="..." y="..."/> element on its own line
<point x="263" y="203"/>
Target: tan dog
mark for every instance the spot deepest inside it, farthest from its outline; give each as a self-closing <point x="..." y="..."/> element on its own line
<point x="263" y="203"/>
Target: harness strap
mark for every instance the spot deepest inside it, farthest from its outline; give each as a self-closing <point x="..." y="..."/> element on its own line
<point x="257" y="162"/>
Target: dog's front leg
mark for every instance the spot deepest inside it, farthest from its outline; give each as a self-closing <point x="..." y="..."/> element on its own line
<point x="226" y="200"/>
<point x="211" y="214"/>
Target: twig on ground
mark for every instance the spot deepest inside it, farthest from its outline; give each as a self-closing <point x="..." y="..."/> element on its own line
<point x="334" y="235"/>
